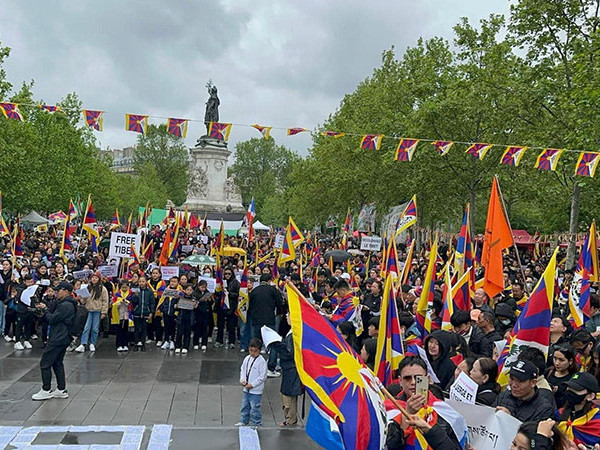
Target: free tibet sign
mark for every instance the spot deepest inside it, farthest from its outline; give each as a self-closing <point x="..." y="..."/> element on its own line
<point x="120" y="244"/>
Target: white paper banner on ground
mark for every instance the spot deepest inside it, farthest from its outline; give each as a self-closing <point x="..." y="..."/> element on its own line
<point x="371" y="243"/>
<point x="120" y="244"/>
<point x="464" y="389"/>
<point x="211" y="283"/>
<point x="489" y="429"/>
<point x="279" y="241"/>
<point x="430" y="371"/>
<point x="168" y="272"/>
<point x="109" y="271"/>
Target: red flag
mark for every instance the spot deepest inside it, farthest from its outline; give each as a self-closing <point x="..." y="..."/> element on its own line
<point x="498" y="236"/>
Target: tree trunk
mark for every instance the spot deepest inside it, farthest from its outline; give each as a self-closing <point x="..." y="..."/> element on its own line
<point x="573" y="224"/>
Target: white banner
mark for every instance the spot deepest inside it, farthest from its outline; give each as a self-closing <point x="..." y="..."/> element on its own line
<point x="168" y="272"/>
<point x="371" y="243"/>
<point x="464" y="389"/>
<point x="211" y="283"/>
<point x="279" y="241"/>
<point x="120" y="244"/>
<point x="109" y="271"/>
<point x="489" y="429"/>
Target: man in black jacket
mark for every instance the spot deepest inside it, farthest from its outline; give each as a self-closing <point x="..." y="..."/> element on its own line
<point x="59" y="320"/>
<point x="227" y="316"/>
<point x="478" y="343"/>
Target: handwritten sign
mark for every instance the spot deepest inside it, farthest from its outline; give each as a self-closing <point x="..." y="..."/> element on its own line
<point x="185" y="303"/>
<point x="168" y="272"/>
<point x="171" y="293"/>
<point x="211" y="283"/>
<point x="464" y="389"/>
<point x="111" y="271"/>
<point x="120" y="244"/>
<point x="371" y="243"/>
<point x="279" y="241"/>
<point x="82" y="274"/>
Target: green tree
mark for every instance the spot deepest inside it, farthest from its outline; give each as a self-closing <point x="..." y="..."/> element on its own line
<point x="169" y="156"/>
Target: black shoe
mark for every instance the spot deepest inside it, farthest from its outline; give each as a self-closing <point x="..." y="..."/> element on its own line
<point x="143" y="348"/>
<point x="135" y="348"/>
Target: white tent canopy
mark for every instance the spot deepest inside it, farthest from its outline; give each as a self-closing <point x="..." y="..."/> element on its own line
<point x="33" y="218"/>
<point x="258" y="225"/>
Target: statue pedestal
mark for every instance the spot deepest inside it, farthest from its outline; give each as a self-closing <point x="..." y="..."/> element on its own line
<point x="210" y="190"/>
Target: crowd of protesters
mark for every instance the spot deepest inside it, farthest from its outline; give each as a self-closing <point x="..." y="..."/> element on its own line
<point x="554" y="395"/>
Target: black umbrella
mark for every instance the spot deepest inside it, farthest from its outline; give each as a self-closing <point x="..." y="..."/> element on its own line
<point x="338" y="256"/>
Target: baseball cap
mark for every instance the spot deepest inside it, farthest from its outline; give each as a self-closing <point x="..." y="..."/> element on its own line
<point x="345" y="276"/>
<point x="583" y="380"/>
<point x="65" y="285"/>
<point x="524" y="370"/>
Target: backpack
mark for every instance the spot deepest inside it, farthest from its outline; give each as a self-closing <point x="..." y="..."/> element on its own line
<point x="77" y="324"/>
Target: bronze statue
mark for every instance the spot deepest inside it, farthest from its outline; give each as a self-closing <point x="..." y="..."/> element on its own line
<point x="212" y="106"/>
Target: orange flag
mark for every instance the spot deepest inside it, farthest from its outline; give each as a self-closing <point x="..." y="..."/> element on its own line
<point x="164" y="253"/>
<point x="498" y="236"/>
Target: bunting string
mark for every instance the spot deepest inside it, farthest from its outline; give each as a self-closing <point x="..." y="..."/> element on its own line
<point x="547" y="160"/>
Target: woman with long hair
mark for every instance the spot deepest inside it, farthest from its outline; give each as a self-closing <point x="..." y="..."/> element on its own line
<point x="563" y="368"/>
<point x="484" y="373"/>
<point x="544" y="435"/>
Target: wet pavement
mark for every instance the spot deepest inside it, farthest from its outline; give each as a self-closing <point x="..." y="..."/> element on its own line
<point x="130" y="400"/>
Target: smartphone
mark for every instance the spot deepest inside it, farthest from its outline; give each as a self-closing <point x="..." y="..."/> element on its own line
<point x="422" y="382"/>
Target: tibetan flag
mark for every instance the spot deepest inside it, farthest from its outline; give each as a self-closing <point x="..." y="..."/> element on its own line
<point x="442" y="147"/>
<point x="585" y="429"/>
<point x="242" y="309"/>
<point x="425" y="305"/>
<point x="72" y="210"/>
<point x="177" y="127"/>
<point x="406" y="149"/>
<point x="219" y="242"/>
<point x="336" y="380"/>
<point x="164" y="252"/>
<point x="461" y="292"/>
<point x="548" y="159"/>
<point x="3" y="227"/>
<point x="371" y="141"/>
<point x="288" y="252"/>
<point x="94" y="119"/>
<point x="250" y="214"/>
<point x="478" y="150"/>
<point x="136" y="123"/>
<point x="532" y="328"/>
<point x="498" y="236"/>
<point x="448" y="308"/>
<point x="587" y="164"/>
<point x="11" y="111"/>
<point x="65" y="244"/>
<point x="408" y="216"/>
<point x="50" y="108"/>
<point x="265" y="131"/>
<point x="174" y="245"/>
<point x="389" y="340"/>
<point x="297" y="236"/>
<point x="90" y="224"/>
<point x="407" y="265"/>
<point x="219" y="131"/>
<point x="294" y="131"/>
<point x="463" y="256"/>
<point x="134" y="257"/>
<point x="512" y="155"/>
<point x="129" y="224"/>
<point x="333" y="134"/>
<point x="585" y="275"/>
<point x="391" y="264"/>
<point x="147" y="252"/>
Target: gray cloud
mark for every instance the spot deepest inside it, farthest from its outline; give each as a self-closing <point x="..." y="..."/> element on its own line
<point x="275" y="62"/>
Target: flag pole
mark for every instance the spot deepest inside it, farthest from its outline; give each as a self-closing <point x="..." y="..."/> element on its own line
<point x="513" y="236"/>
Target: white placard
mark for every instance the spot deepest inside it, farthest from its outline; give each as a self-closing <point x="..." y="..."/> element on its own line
<point x="82" y="274"/>
<point x="27" y="294"/>
<point x="211" y="283"/>
<point x="489" y="429"/>
<point x="169" y="272"/>
<point x="464" y="389"/>
<point x="187" y="249"/>
<point x="203" y="239"/>
<point x="279" y="241"/>
<point x="120" y="244"/>
<point x="109" y="271"/>
<point x="371" y="243"/>
<point x="83" y="291"/>
<point x="430" y="371"/>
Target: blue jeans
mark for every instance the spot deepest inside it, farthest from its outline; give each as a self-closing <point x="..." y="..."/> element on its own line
<point x="91" y="324"/>
<point x="245" y="332"/>
<point x="2" y="311"/>
<point x="251" y="409"/>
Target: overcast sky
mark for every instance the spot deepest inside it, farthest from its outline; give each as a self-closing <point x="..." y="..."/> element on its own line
<point x="278" y="63"/>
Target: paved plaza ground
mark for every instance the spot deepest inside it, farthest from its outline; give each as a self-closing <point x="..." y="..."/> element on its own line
<point x="198" y="394"/>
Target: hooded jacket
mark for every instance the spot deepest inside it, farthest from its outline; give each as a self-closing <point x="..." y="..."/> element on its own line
<point x="443" y="365"/>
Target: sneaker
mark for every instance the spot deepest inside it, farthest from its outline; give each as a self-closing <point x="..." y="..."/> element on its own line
<point x="242" y="350"/>
<point x="218" y="344"/>
<point x="34" y="337"/>
<point x="165" y="345"/>
<point x="60" y="394"/>
<point x="159" y="343"/>
<point x="171" y="345"/>
<point x="196" y="347"/>
<point x="139" y="344"/>
<point x="204" y="348"/>
<point x="177" y="350"/>
<point x="42" y="395"/>
<point x="184" y="350"/>
<point x="148" y="341"/>
<point x="19" y="346"/>
<point x="272" y="374"/>
<point x="92" y="348"/>
<point x="80" y="349"/>
<point x="241" y="424"/>
<point x="27" y="345"/>
<point x="7" y="338"/>
<point x="119" y="349"/>
<point x="125" y="349"/>
<point x="210" y="340"/>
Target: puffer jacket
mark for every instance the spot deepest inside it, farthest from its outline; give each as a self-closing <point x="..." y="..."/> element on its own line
<point x="97" y="302"/>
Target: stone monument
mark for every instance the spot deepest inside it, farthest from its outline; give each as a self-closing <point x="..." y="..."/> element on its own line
<point x="210" y="189"/>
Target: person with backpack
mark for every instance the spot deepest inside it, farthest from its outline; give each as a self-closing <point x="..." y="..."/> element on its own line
<point x="60" y="318"/>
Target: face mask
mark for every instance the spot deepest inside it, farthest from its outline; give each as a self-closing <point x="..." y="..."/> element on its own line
<point x="505" y="321"/>
<point x="464" y="332"/>
<point x="574" y="398"/>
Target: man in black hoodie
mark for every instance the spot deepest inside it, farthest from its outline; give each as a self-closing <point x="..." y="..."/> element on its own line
<point x="227" y="316"/>
<point x="59" y="319"/>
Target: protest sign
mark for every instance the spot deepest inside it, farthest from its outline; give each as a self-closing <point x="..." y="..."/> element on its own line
<point x="27" y="294"/>
<point x="82" y="274"/>
<point x="489" y="429"/>
<point x="168" y="272"/>
<point x="83" y="291"/>
<point x="120" y="244"/>
<point x="371" y="243"/>
<point x="464" y="389"/>
<point x="185" y="303"/>
<point x="171" y="293"/>
<point x="279" y="241"/>
<point x="187" y="249"/>
<point x="109" y="271"/>
<point x="203" y="239"/>
<point x="211" y="283"/>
